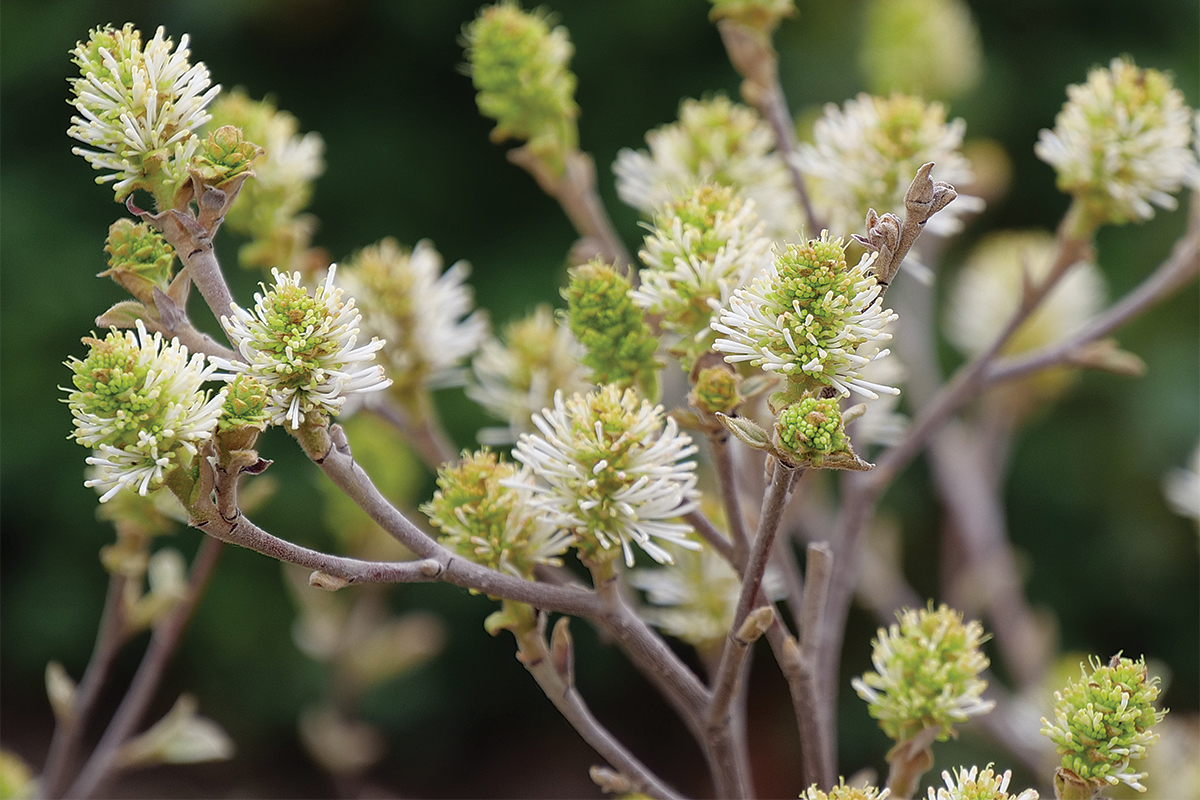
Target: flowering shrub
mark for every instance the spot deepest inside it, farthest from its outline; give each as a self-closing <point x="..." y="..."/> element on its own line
<point x="685" y="427"/>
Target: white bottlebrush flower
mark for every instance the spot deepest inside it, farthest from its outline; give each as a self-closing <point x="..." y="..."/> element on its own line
<point x="714" y="141"/>
<point x="484" y="509"/>
<point x="138" y="403"/>
<point x="987" y="292"/>
<point x="701" y="247"/>
<point x="303" y="348"/>
<point x="517" y="375"/>
<point x="1120" y="143"/>
<point x="976" y="784"/>
<point x="422" y="313"/>
<point x="139" y="106"/>
<point x="1182" y="487"/>
<point x="864" y="155"/>
<point x="611" y="473"/>
<point x="810" y="318"/>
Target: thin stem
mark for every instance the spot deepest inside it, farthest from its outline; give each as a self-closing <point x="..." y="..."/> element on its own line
<point x="704" y="526"/>
<point x="100" y="767"/>
<point x="575" y="191"/>
<point x="723" y="461"/>
<point x="559" y="687"/>
<point x="774" y="107"/>
<point x="110" y="638"/>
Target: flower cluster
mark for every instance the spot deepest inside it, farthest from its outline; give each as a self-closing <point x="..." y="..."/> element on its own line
<point x="620" y="347"/>
<point x="1120" y="143"/>
<point x="303" y="348"/>
<point x="714" y="141"/>
<point x="138" y="403"/>
<point x="926" y="673"/>
<point x="268" y="208"/>
<point x="422" y="313"/>
<point x="517" y="375"/>
<point x="864" y="155"/>
<point x="701" y="248"/>
<point x="844" y="792"/>
<point x="807" y="317"/>
<point x="811" y="430"/>
<point x="519" y="67"/>
<point x="976" y="784"/>
<point x="1103" y="722"/>
<point x="929" y="48"/>
<point x="716" y="390"/>
<point x="483" y="510"/>
<point x="611" y="473"/>
<point x="138" y="109"/>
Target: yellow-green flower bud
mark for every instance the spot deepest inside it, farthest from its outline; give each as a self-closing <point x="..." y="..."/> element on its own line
<point x="926" y="673"/>
<point x="716" y="390"/>
<point x="812" y="429"/>
<point x="484" y="514"/>
<point x="844" y="792"/>
<point x="139" y="259"/>
<point x="225" y="155"/>
<point x="519" y="67"/>
<point x="246" y="405"/>
<point x="976" y="784"/>
<point x="1102" y="723"/>
<point x="620" y="347"/>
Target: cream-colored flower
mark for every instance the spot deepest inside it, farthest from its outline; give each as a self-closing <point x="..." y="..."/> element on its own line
<point x="1120" y="143"/>
<point x="609" y="471"/>
<point x="976" y="784"/>
<point x="517" y="375"/>
<point x="714" y="141"/>
<point x="864" y="155"/>
<point x="303" y="348"/>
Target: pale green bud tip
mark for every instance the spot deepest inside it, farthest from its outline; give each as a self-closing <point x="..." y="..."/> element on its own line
<point x="620" y="347"/>
<point x="482" y="511"/>
<point x="812" y="428"/>
<point x="16" y="777"/>
<point x="1120" y="143"/>
<point x="225" y="155"/>
<point x="926" y="673"/>
<point x="844" y="792"/>
<point x="762" y="15"/>
<point x="246" y="405"/>
<point x="716" y="390"/>
<point x="519" y="67"/>
<point x="135" y="247"/>
<point x="1103" y="721"/>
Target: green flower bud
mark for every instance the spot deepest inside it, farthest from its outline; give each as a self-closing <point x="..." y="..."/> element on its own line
<point x="247" y="404"/>
<point x="1101" y="724"/>
<point x="139" y="259"/>
<point x="716" y="390"/>
<point x="926" y="673"/>
<point x="225" y="155"/>
<point x="486" y="516"/>
<point x="812" y="429"/>
<point x="620" y="347"/>
<point x="519" y="67"/>
<point x="844" y="792"/>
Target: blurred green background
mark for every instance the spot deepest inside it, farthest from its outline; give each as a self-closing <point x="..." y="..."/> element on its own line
<point x="408" y="156"/>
